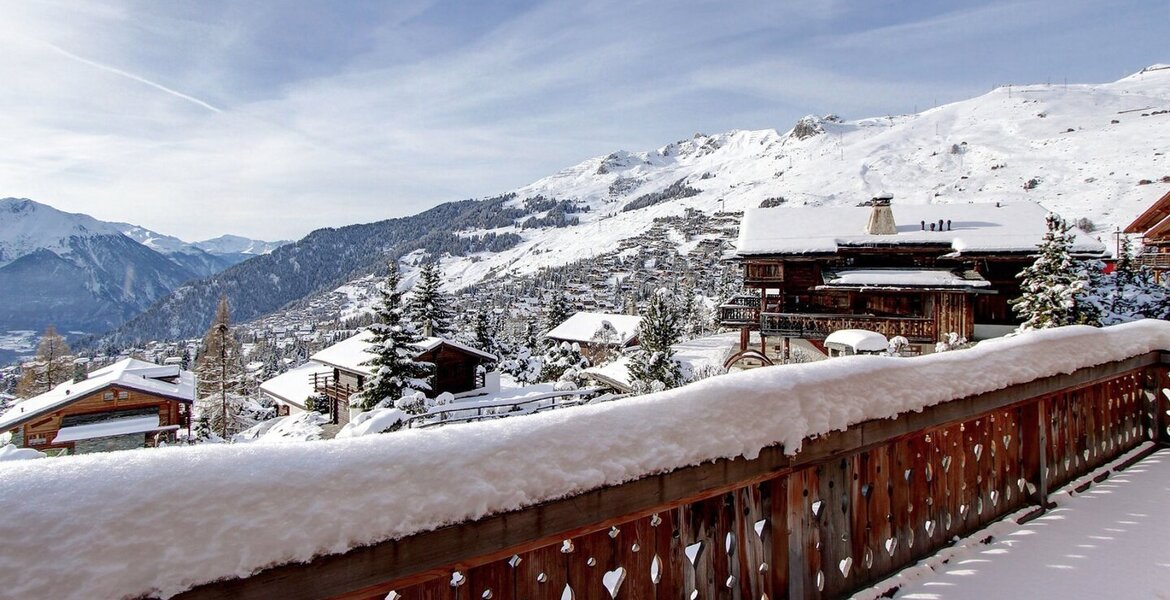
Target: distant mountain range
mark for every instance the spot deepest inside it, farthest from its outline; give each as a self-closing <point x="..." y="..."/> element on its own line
<point x="81" y="274"/>
<point x="1090" y="152"/>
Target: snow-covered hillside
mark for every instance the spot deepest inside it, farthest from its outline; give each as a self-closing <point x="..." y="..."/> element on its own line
<point x="1080" y="150"/>
<point x="236" y="245"/>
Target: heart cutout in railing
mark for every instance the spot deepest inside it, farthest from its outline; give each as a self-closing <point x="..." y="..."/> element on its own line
<point x="845" y="565"/>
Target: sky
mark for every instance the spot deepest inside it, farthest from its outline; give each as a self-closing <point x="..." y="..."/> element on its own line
<point x="273" y="118"/>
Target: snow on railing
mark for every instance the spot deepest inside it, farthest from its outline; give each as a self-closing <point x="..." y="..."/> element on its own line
<point x="467" y="412"/>
<point x="160" y="521"/>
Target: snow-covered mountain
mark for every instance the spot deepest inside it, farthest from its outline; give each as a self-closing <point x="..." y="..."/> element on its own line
<point x="1093" y="153"/>
<point x="237" y="249"/>
<point x="80" y="273"/>
<point x="74" y="271"/>
<point x="187" y="255"/>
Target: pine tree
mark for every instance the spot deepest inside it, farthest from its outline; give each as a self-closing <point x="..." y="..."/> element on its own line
<point x="222" y="381"/>
<point x="53" y="365"/>
<point x="561" y="358"/>
<point x="395" y="370"/>
<point x="1053" y="285"/>
<point x="558" y="311"/>
<point x="430" y="308"/>
<point x="1128" y="293"/>
<point x="653" y="368"/>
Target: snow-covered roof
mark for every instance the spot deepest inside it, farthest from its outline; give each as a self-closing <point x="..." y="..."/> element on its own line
<point x="295" y="385"/>
<point x="903" y="278"/>
<point x="129" y="373"/>
<point x="860" y="340"/>
<point x="615" y="374"/>
<point x="110" y="428"/>
<point x="583" y="327"/>
<point x="561" y="451"/>
<point x="350" y="353"/>
<point x="1016" y="226"/>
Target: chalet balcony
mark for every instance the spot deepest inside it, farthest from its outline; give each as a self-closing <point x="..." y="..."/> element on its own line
<point x="1154" y="260"/>
<point x="740" y="311"/>
<point x="817" y="326"/>
<point x="337" y="393"/>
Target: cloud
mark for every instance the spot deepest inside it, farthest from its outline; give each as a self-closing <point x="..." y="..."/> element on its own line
<point x="336" y="113"/>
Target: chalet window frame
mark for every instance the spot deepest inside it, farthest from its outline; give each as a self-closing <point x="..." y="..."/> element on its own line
<point x="108" y="396"/>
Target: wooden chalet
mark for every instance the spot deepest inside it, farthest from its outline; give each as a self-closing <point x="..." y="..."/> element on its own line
<point x="596" y="333"/>
<point x="1154" y="227"/>
<point x="459" y="369"/>
<point x="129" y="404"/>
<point x="920" y="271"/>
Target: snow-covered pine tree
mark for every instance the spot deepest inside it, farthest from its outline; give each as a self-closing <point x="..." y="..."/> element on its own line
<point x="558" y="311"/>
<point x="653" y="368"/>
<point x="1128" y="293"/>
<point x="561" y="358"/>
<point x="395" y="370"/>
<point x="1053" y="285"/>
<point x="486" y="328"/>
<point x="222" y="380"/>
<point x="430" y="307"/>
<point x="53" y="365"/>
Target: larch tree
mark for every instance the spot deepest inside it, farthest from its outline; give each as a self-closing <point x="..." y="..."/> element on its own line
<point x="430" y="307"/>
<point x="53" y="365"/>
<point x="654" y="368"/>
<point x="395" y="370"/>
<point x="222" y="380"/>
<point x="1054" y="284"/>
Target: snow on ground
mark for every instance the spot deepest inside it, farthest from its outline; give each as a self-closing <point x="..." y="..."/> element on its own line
<point x="1108" y="542"/>
<point x="301" y="427"/>
<point x="228" y="513"/>
<point x="11" y="452"/>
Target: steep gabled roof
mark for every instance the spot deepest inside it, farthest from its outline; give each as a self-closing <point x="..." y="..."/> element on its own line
<point x="1154" y="215"/>
<point x="129" y="373"/>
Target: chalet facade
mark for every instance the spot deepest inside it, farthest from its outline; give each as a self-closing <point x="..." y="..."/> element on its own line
<point x="338" y="372"/>
<point x="596" y="333"/>
<point x="919" y="272"/>
<point x="129" y="404"/>
<point x="1154" y="227"/>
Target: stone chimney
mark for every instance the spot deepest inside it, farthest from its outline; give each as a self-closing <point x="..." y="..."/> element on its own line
<point x="881" y="217"/>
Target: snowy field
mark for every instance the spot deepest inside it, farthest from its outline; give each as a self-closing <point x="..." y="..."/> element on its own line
<point x="1112" y="541"/>
<point x="217" y="511"/>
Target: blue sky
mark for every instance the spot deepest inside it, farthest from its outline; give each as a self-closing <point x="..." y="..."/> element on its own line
<point x="270" y="119"/>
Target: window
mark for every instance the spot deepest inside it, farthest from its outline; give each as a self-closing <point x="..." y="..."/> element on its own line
<point x="37" y="439"/>
<point x="108" y="396"/>
<point x="123" y="395"/>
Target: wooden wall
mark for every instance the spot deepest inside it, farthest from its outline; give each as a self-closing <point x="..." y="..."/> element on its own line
<point x="94" y="403"/>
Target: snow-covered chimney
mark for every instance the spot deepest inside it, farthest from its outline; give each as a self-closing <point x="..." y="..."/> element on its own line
<point x="881" y="216"/>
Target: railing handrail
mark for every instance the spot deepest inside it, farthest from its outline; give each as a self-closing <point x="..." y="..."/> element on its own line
<point x="421" y="557"/>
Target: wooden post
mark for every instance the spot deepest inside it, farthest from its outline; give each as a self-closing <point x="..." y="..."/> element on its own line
<point x="1034" y="446"/>
<point x="1156" y="384"/>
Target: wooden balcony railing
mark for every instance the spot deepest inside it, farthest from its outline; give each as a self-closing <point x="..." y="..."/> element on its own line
<point x="820" y="325"/>
<point x="337" y="393"/>
<point x="1154" y="260"/>
<point x="849" y="509"/>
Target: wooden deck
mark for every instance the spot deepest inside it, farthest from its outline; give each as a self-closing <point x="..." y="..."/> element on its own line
<point x="848" y="510"/>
